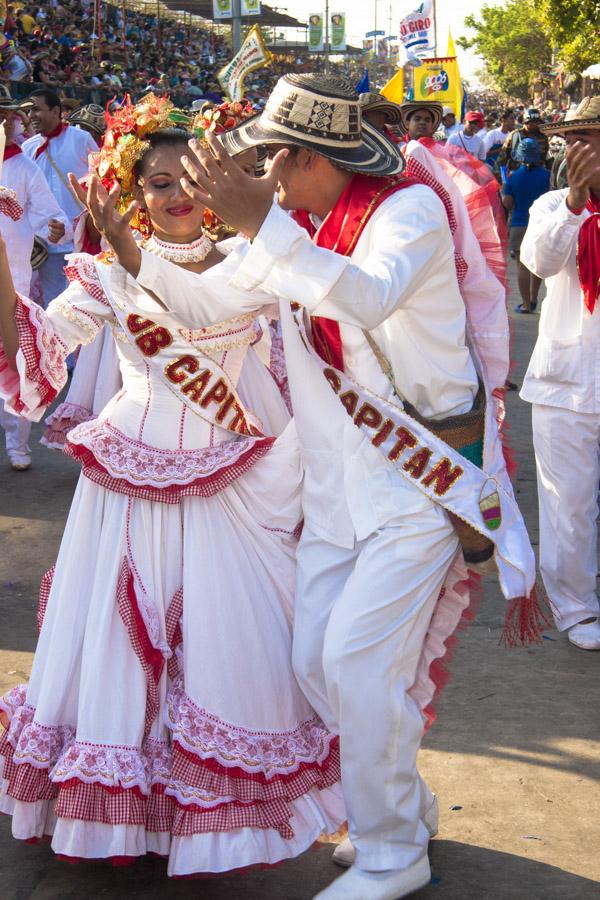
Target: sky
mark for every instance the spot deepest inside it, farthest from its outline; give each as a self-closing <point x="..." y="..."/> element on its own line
<point x="360" y="18"/>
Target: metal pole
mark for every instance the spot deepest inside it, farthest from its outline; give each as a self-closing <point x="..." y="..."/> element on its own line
<point x="236" y="26"/>
<point x="375" y="47"/>
<point x="327" y="37"/>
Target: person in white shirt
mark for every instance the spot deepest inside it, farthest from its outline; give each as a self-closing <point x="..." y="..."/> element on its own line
<point x="467" y="138"/>
<point x="562" y="245"/>
<point x="494" y="139"/>
<point x="57" y="149"/>
<point x="449" y="123"/>
<point x="375" y="551"/>
<point x="42" y="216"/>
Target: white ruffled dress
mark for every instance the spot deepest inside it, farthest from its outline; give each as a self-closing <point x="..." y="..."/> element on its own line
<point x="162" y="714"/>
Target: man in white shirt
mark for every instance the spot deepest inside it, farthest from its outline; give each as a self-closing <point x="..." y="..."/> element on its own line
<point x="467" y="138"/>
<point x="562" y="245"/>
<point x="375" y="551"/>
<point x="57" y="149"/>
<point x="494" y="139"/>
<point x="41" y="216"/>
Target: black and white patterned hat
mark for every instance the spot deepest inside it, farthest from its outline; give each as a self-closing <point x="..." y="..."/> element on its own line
<point x="320" y="113"/>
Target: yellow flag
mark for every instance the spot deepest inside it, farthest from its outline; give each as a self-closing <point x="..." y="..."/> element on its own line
<point x="439" y="80"/>
<point x="451" y="47"/>
<point x="394" y="89"/>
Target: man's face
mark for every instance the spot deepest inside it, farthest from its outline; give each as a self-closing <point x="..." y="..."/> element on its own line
<point x="509" y="122"/>
<point x="591" y="138"/>
<point x="449" y="120"/>
<point x="292" y="179"/>
<point x="472" y="128"/>
<point x="533" y="126"/>
<point x="420" y="124"/>
<point x="43" y="118"/>
<point x="375" y="117"/>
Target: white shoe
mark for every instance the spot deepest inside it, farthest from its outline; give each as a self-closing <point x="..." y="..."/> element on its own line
<point x="357" y="884"/>
<point x="20" y="462"/>
<point x="586" y="637"/>
<point x="344" y="854"/>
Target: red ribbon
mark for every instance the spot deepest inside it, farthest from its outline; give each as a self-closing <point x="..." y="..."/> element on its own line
<point x="588" y="254"/>
<point x="56" y="132"/>
<point x="10" y="151"/>
<point x="340" y="231"/>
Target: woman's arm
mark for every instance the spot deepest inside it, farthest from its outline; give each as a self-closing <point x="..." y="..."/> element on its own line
<point x="8" y="301"/>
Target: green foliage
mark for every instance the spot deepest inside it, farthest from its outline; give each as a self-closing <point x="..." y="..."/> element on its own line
<point x="513" y="45"/>
<point x="517" y="39"/>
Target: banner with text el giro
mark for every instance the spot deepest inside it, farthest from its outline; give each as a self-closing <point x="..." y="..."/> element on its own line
<point x="252" y="55"/>
<point x="439" y="79"/>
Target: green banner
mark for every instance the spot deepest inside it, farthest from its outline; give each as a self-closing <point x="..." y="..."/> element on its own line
<point x="315" y="33"/>
<point x="338" y="32"/>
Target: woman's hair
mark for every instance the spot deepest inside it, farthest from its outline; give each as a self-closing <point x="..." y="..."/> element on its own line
<point x="166" y="137"/>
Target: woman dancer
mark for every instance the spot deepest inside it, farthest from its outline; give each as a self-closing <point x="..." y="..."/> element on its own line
<point x="162" y="713"/>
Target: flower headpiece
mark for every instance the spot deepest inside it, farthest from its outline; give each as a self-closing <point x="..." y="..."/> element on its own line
<point x="125" y="141"/>
<point x="217" y="119"/>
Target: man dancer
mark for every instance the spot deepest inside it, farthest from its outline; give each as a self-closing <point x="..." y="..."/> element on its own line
<point x="562" y="245"/>
<point x="57" y="149"/>
<point x="41" y="216"/>
<point x="375" y="550"/>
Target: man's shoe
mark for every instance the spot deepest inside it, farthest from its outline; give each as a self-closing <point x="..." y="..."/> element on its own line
<point x="344" y="854"/>
<point x="357" y="884"/>
<point x="586" y="636"/>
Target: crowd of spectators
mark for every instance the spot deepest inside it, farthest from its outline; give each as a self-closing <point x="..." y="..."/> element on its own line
<point x="61" y="45"/>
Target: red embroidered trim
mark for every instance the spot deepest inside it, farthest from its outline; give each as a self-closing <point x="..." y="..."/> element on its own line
<point x="45" y="588"/>
<point x="205" y="486"/>
<point x="33" y="370"/>
<point x="81" y="268"/>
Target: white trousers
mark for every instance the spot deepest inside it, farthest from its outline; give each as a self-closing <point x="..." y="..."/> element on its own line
<point x="567" y="455"/>
<point x="16" y="432"/>
<point x="360" y="622"/>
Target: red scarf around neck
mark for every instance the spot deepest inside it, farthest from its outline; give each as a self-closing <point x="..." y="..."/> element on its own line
<point x="588" y="254"/>
<point x="340" y="230"/>
<point x="10" y="151"/>
<point x="56" y="132"/>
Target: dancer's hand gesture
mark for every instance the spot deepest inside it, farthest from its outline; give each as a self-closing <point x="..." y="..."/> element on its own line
<point x="216" y="180"/>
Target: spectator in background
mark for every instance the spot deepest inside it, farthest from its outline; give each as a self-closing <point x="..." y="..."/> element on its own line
<point x="467" y="138"/>
<point x="494" y="139"/>
<point x="57" y="148"/>
<point x="531" y="129"/>
<point x="41" y="216"/>
<point x="522" y="189"/>
<point x="449" y="123"/>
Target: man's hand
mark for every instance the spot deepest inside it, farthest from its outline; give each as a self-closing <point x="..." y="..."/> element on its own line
<point x="583" y="167"/>
<point x="217" y="181"/>
<point x="56" y="230"/>
<point x="114" y="227"/>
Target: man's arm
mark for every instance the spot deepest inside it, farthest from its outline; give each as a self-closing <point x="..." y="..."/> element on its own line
<point x="284" y="262"/>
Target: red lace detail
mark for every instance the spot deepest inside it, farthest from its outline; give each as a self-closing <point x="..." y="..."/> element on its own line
<point x="43" y="352"/>
<point x="9" y="205"/>
<point x="82" y="268"/>
<point x="151" y="659"/>
<point x="45" y="588"/>
<point x="201" y="486"/>
<point x="65" y="417"/>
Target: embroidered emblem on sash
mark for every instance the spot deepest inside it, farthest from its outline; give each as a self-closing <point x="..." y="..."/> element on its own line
<point x="489" y="504"/>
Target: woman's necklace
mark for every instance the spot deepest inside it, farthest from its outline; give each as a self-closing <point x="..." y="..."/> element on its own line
<point x="195" y="252"/>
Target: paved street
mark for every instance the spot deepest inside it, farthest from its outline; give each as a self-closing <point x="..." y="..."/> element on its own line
<point x="514" y="755"/>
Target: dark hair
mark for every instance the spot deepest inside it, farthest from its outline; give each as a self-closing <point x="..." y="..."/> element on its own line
<point x="168" y="137"/>
<point x="50" y="98"/>
<point x="507" y="113"/>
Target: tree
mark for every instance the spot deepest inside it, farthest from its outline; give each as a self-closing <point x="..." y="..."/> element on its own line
<point x="512" y="43"/>
<point x="574" y="29"/>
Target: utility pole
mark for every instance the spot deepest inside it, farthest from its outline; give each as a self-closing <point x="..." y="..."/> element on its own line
<point x="375" y="48"/>
<point x="236" y="26"/>
<point x="327" y="37"/>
